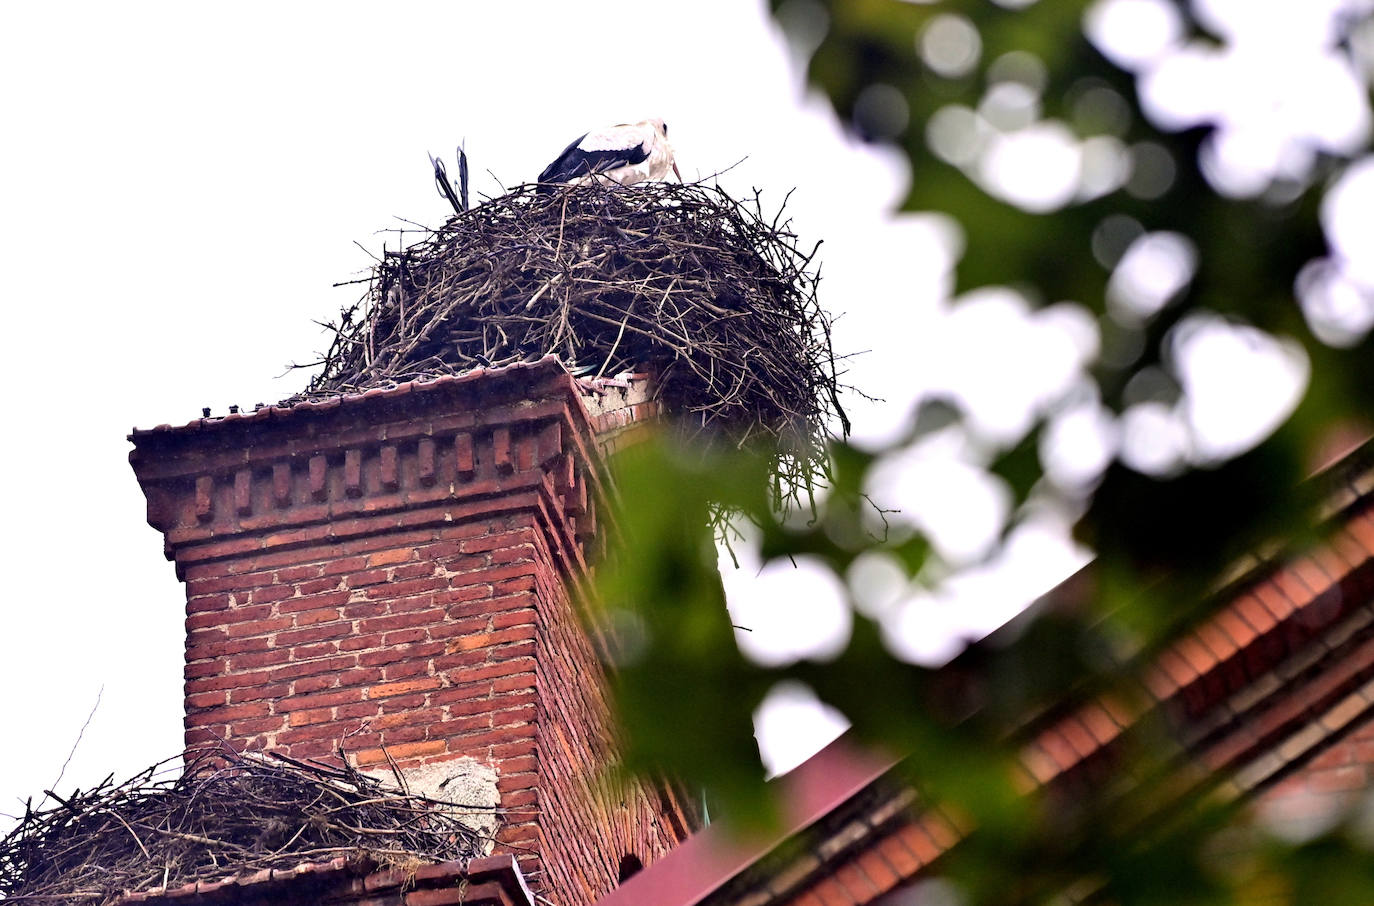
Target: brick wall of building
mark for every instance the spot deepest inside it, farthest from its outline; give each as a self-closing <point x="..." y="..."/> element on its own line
<point x="388" y="574"/>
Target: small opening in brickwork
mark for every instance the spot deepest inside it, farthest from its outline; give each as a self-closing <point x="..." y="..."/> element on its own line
<point x="629" y="866"/>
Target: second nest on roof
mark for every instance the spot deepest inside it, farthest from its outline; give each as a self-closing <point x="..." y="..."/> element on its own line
<point x="714" y="299"/>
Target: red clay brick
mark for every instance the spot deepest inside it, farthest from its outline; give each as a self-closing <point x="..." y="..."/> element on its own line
<point x="314" y="602"/>
<point x="401" y="752"/>
<point x="405" y="670"/>
<point x="271" y="593"/>
<point x="400" y="688"/>
<point x="260" y="692"/>
<point x="401" y="621"/>
<point x="414" y="570"/>
<point x="390" y="557"/>
<point x="394" y="589"/>
<point x="305" y="718"/>
<point x="295" y="637"/>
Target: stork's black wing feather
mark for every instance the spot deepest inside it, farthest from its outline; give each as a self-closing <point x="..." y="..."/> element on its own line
<point x="575" y="161"/>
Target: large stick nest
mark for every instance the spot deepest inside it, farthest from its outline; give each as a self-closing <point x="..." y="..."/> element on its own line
<point x="714" y="298"/>
<point x="226" y="814"/>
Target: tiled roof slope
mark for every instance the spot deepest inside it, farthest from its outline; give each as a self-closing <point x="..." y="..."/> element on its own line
<point x="1281" y="671"/>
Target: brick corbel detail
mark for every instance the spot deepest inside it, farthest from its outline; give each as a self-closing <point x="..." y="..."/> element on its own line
<point x="381" y="461"/>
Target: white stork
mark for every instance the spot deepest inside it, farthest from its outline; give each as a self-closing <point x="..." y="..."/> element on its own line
<point x="627" y="154"/>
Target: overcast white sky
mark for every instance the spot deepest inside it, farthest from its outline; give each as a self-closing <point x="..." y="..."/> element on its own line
<point x="180" y="184"/>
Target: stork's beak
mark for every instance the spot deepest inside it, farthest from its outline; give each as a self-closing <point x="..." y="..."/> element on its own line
<point x="677" y="172"/>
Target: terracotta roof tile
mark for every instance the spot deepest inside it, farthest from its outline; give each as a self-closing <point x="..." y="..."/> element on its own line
<point x="1176" y="667"/>
<point x="1237" y="630"/>
<point x="1361" y="527"/>
<point x="1099" y="723"/>
<point x="1078" y="736"/>
<point x="1217" y="641"/>
<point x="898" y="855"/>
<point x="856" y="882"/>
<point x="878" y="872"/>
<point x="1284" y="593"/>
<point x="1249" y="608"/>
<point x="1196" y="654"/>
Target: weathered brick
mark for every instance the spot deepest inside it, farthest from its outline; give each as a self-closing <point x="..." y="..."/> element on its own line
<point x="229" y="713"/>
<point x="406" y="669"/>
<point x="309" y="668"/>
<point x="383" y="690"/>
<point x="414" y="570"/>
<point x="305" y="718"/>
<point x="313" y="602"/>
<point x="258" y="659"/>
<point x="491" y="639"/>
<point x="404" y="733"/>
<point x="404" y="637"/>
<point x="206" y="699"/>
<point x="296" y="575"/>
<point x="422" y="716"/>
<point x="359" y="676"/>
<point x="257" y="627"/>
<point x="319" y="615"/>
<point x="260" y="692"/>
<point x="364" y="579"/>
<point x="401" y="621"/>
<point x="255" y="725"/>
<point x="401" y="752"/>
<point x="520" y="617"/>
<point x="270" y="594"/>
<point x="411" y="604"/>
<point x="399" y="704"/>
<point x="323" y="699"/>
<point x="394" y="589"/>
<point x="389" y="557"/>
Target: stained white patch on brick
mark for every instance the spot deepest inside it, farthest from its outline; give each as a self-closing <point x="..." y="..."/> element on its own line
<point x="466" y="783"/>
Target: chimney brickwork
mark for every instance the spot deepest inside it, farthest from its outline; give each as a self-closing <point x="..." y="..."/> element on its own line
<point x="390" y="573"/>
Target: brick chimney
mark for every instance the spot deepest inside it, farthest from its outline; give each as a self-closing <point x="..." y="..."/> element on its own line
<point x="391" y="572"/>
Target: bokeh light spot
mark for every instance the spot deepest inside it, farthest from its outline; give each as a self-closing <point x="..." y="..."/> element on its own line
<point x="1152" y="171"/>
<point x="881" y="112"/>
<point x="1155" y="268"/>
<point x="1133" y="33"/>
<point x="950" y="45"/>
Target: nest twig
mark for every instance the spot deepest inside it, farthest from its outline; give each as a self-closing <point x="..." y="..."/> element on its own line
<point x="225" y="814"/>
<point x="705" y="291"/>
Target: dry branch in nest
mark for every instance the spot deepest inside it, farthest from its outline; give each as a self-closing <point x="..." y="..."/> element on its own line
<point x="715" y="299"/>
<point x="226" y="814"/>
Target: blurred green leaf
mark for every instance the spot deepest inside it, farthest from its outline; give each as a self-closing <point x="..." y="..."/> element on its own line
<point x="1136" y="834"/>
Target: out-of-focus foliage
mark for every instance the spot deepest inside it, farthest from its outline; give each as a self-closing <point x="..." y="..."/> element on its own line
<point x="943" y="82"/>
